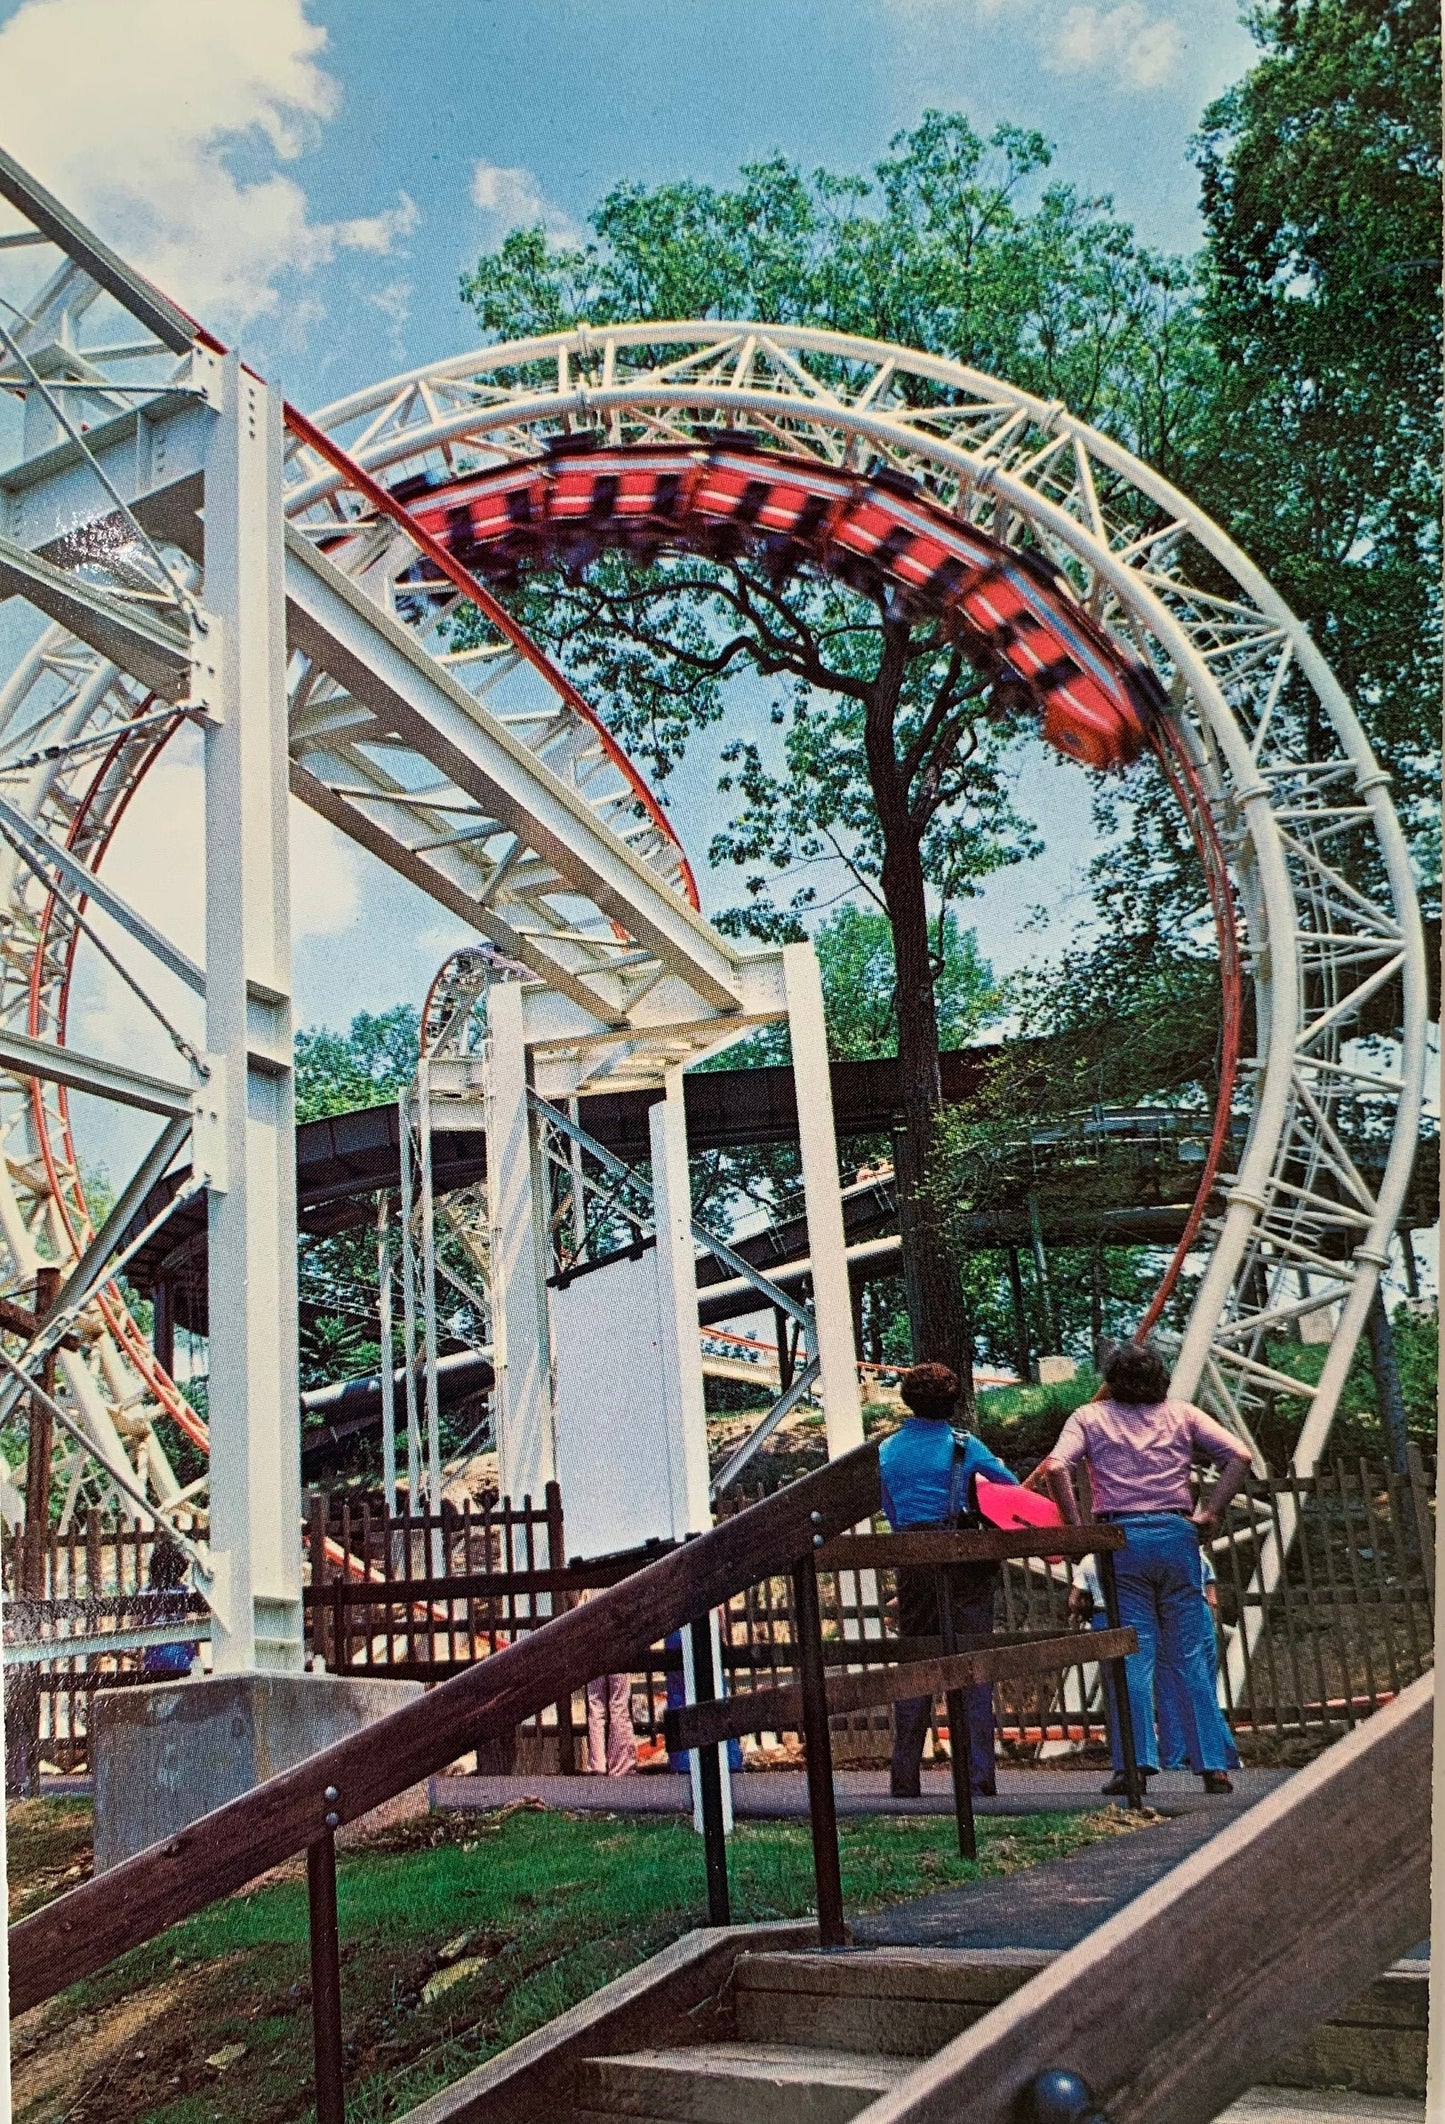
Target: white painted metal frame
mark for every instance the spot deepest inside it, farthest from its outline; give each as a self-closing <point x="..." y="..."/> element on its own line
<point x="1242" y="675"/>
<point x="466" y="771"/>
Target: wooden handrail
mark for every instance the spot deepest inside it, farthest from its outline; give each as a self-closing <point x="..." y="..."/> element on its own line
<point x="780" y="1710"/>
<point x="81" y="1932"/>
<point x="930" y="1546"/>
<point x="1189" y="1995"/>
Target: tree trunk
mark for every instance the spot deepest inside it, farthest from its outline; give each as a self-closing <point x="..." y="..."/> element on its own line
<point x="937" y="1313"/>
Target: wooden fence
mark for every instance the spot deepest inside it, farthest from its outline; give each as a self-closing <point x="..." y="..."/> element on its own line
<point x="1349" y="1625"/>
<point x="93" y="1571"/>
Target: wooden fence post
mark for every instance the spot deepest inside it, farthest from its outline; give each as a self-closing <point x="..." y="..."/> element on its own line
<point x="557" y="1561"/>
<point x="320" y="1520"/>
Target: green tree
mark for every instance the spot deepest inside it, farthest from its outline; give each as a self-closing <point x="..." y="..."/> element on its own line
<point x="891" y="767"/>
<point x="365" y="1066"/>
<point x="1320" y="446"/>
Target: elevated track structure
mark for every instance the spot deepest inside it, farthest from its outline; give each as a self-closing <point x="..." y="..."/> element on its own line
<point x="192" y="552"/>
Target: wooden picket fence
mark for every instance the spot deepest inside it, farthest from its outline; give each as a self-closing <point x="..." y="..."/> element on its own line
<point x="1349" y="1623"/>
<point x="92" y="1570"/>
<point x="421" y="1596"/>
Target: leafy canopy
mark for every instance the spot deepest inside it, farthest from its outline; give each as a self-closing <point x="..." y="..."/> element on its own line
<point x="1321" y="195"/>
<point x="365" y="1066"/>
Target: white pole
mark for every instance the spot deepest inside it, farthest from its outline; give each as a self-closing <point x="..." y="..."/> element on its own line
<point x="383" y="1323"/>
<point x="823" y="1199"/>
<point x="516" y="1214"/>
<point x="579" y="1195"/>
<point x="255" y="1414"/>
<point x="408" y="1314"/>
<point x="685" y="1414"/>
<point x="429" y="1301"/>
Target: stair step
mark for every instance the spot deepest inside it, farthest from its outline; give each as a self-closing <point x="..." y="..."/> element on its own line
<point x="719" y="2083"/>
<point x="897" y="2001"/>
<point x="1286" y="2105"/>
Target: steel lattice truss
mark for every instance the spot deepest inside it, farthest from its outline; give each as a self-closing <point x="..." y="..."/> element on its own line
<point x="468" y="764"/>
<point x="1322" y="879"/>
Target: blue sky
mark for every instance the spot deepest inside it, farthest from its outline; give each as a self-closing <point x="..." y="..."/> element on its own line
<point x="311" y="176"/>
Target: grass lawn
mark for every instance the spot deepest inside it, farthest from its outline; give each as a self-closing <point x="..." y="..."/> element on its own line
<point x="459" y="1934"/>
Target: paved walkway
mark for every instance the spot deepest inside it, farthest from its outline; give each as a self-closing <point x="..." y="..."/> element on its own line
<point x="769" y="1795"/>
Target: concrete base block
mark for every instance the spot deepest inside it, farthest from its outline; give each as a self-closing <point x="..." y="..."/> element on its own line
<point x="165" y="1754"/>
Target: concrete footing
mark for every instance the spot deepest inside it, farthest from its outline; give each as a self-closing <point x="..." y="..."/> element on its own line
<point x="165" y="1754"/>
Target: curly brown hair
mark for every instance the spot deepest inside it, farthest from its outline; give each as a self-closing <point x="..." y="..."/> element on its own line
<point x="1134" y="1372"/>
<point x="929" y="1390"/>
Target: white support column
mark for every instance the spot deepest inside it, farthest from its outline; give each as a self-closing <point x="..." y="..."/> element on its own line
<point x="521" y="1343"/>
<point x="408" y="1311"/>
<point x="383" y="1326"/>
<point x="429" y="1302"/>
<point x="255" y="1418"/>
<point x="686" y="1415"/>
<point x="827" y="1248"/>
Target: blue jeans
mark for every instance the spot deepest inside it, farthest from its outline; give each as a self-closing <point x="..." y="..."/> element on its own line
<point x="1161" y="1597"/>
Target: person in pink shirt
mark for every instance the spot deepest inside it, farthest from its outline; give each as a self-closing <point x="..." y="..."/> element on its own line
<point x="1141" y="1448"/>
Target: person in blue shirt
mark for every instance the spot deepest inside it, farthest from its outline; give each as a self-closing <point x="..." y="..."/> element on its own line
<point x="167" y="1587"/>
<point x="928" y="1469"/>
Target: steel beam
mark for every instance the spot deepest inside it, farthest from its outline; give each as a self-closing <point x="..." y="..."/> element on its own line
<point x="380" y="664"/>
<point x="130" y="289"/>
<point x="88" y="881"/>
<point x="254" y="1387"/>
<point x="154" y="650"/>
<point x="685" y="1415"/>
<point x="154" y="456"/>
<point x="92" y="1073"/>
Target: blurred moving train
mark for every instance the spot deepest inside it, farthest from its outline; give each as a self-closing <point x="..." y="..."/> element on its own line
<point x="1015" y="615"/>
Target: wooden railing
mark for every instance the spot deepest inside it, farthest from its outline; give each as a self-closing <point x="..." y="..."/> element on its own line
<point x="1189" y="1995"/>
<point x="1347" y="1627"/>
<point x="302" y="1809"/>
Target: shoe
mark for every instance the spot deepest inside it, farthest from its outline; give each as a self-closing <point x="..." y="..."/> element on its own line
<point x="1217" y="1781"/>
<point x="1116" y="1787"/>
<point x="904" y="1792"/>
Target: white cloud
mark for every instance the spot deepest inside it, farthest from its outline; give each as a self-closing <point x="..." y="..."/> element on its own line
<point x="162" y="121"/>
<point x="512" y="198"/>
<point x="393" y="301"/>
<point x="1135" y="44"/>
<point x="1138" y="49"/>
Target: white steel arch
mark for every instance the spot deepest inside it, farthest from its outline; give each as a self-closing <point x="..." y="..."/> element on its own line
<point x="1320" y="863"/>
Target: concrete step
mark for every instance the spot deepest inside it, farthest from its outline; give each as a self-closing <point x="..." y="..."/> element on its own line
<point x="1284" y="2105"/>
<point x="727" y="2083"/>
<point x="898" y="2001"/>
<point x="909" y="2002"/>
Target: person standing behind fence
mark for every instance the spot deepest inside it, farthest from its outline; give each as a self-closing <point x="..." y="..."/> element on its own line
<point x="927" y="1471"/>
<point x="611" y="1738"/>
<point x="1140" y="1448"/>
<point x="167" y="1588"/>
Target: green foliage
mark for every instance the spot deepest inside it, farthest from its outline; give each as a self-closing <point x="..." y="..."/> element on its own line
<point x="1321" y="193"/>
<point x="1357" y="1428"/>
<point x="860" y="983"/>
<point x="366" y="1066"/>
<point x="959" y="245"/>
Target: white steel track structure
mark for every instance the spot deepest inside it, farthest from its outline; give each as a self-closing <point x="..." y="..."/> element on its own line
<point x="1321" y="872"/>
<point x="478" y="774"/>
